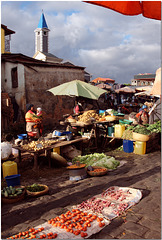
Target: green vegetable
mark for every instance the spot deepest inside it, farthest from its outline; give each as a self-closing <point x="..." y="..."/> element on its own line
<point x="97" y="159"/>
<point x="6" y="193"/>
<point x="141" y="130"/>
<point x="13" y="191"/>
<point x="19" y="192"/>
<point x="35" y="188"/>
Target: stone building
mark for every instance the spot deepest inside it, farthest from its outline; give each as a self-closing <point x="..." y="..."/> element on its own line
<point x="28" y="80"/>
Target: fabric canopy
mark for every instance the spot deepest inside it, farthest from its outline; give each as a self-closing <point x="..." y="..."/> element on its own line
<point x="79" y="89"/>
<point x="149" y="9"/>
<point x="102" y="85"/>
<point x="125" y="90"/>
<point x="143" y="88"/>
<point x="156" y="89"/>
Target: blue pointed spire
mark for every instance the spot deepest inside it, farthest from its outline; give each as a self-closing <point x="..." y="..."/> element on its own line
<point x="42" y="22"/>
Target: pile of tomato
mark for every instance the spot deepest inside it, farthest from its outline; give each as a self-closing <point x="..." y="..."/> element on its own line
<point x="76" y="222"/>
<point x="99" y="170"/>
<point x="31" y="234"/>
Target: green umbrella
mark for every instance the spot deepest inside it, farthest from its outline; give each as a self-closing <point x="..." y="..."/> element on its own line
<point x="78" y="88"/>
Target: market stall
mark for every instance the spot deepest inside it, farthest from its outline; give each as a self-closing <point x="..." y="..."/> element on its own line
<point x="36" y="148"/>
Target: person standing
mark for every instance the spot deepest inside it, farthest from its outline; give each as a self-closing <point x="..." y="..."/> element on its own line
<point x="40" y="125"/>
<point x="143" y="116"/>
<point x="31" y="119"/>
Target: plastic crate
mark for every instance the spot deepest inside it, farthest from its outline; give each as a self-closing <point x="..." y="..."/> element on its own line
<point x="125" y="121"/>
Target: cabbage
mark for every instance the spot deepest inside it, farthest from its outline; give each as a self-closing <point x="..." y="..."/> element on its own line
<point x="98" y="159"/>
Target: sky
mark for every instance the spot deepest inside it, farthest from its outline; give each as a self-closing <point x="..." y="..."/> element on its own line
<point x="108" y="44"/>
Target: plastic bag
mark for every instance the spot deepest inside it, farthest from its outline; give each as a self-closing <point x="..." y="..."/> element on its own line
<point x="6" y="150"/>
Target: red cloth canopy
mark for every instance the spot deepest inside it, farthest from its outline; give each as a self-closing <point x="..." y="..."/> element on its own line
<point x="149" y="9"/>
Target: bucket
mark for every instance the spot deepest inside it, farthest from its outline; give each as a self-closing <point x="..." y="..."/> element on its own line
<point x="101" y="112"/>
<point x="9" y="168"/>
<point x="110" y="131"/>
<point x="119" y="129"/>
<point x="128" y="146"/>
<point x="13" y="180"/>
<point x="56" y="150"/>
<point x="140" y="147"/>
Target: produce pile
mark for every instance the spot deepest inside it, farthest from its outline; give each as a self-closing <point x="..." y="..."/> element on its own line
<point x="33" y="233"/>
<point x="99" y="160"/>
<point x="35" y="188"/>
<point x="38" y="145"/>
<point x="112" y="202"/>
<point x="76" y="222"/>
<point x="10" y="192"/>
<point x="146" y="129"/>
<point x="128" y="134"/>
<point x="86" y="116"/>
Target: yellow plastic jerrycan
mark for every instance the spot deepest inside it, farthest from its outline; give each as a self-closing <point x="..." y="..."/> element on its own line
<point x="119" y="129"/>
<point x="9" y="168"/>
<point x="57" y="150"/>
<point x="140" y="147"/>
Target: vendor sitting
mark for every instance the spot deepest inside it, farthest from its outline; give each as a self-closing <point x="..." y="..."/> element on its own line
<point x="31" y="120"/>
<point x="143" y="116"/>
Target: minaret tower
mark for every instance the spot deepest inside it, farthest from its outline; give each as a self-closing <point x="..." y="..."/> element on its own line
<point x="41" y="35"/>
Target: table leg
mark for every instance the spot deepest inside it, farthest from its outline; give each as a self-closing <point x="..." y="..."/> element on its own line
<point x="35" y="161"/>
<point x="19" y="156"/>
<point x="49" y="157"/>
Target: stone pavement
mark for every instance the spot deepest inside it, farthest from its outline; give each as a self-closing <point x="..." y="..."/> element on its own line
<point x="142" y="221"/>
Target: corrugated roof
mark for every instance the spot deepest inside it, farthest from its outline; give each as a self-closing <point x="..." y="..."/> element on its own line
<point x="42" y="22"/>
<point x="99" y="79"/>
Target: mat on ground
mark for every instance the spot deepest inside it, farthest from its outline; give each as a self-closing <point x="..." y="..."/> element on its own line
<point x="88" y="217"/>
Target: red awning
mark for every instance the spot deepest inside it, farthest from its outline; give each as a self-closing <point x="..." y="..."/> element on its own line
<point x="149" y="9"/>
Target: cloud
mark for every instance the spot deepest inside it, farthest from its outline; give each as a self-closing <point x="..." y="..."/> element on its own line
<point x="107" y="43"/>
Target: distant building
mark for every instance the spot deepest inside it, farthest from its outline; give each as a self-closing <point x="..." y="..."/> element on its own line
<point x="5" y="38"/>
<point x="143" y="79"/>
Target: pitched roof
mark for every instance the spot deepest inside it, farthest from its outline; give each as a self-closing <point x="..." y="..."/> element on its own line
<point x="20" y="58"/>
<point x="7" y="30"/>
<point x="99" y="79"/>
<point x="49" y="55"/>
<point x="42" y="22"/>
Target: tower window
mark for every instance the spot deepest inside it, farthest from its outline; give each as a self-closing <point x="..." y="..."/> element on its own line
<point x="38" y="33"/>
<point x="14" y="77"/>
<point x="45" y="33"/>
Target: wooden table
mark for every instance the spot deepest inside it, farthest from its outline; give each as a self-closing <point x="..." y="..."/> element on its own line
<point x="47" y="150"/>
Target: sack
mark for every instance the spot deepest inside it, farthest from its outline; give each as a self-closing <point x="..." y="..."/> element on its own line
<point x="6" y="150"/>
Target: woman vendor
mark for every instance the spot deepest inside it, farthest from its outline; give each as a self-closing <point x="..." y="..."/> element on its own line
<point x="31" y="120"/>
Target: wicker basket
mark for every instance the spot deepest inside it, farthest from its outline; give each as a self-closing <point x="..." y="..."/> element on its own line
<point x="95" y="174"/>
<point x="37" y="194"/>
<point x="14" y="199"/>
<point x="140" y="137"/>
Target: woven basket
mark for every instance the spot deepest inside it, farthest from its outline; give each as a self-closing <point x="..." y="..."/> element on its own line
<point x="95" y="174"/>
<point x="14" y="199"/>
<point x="140" y="137"/>
<point x="37" y="194"/>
